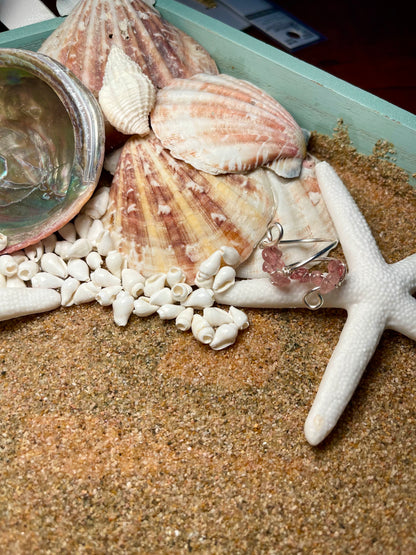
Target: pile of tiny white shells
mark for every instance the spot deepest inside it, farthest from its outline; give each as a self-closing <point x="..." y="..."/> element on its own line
<point x="81" y="263"/>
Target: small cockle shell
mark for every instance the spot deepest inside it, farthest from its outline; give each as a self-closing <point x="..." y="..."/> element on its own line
<point x="164" y="213"/>
<point x="224" y="279"/>
<point x="180" y="292"/>
<point x="127" y="95"/>
<point x="200" y="298"/>
<point x="107" y="295"/>
<point x="170" y="311"/>
<point x="68" y="290"/>
<point x="53" y="264"/>
<point x="123" y="306"/>
<point x="225" y="335"/>
<point x="216" y="316"/>
<point x="86" y="293"/>
<point x="8" y="265"/>
<point x="132" y="281"/>
<point x="222" y="124"/>
<point x="142" y="307"/>
<point x="161" y="297"/>
<point x="103" y="278"/>
<point x="239" y="317"/>
<point x="78" y="269"/>
<point x="27" y="269"/>
<point x="184" y="319"/>
<point x="201" y="329"/>
<point x="44" y="280"/>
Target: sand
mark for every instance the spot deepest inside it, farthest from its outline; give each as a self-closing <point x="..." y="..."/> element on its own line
<point x="139" y="440"/>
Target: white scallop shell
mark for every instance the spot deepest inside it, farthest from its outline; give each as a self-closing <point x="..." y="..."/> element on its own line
<point x="127" y="95"/>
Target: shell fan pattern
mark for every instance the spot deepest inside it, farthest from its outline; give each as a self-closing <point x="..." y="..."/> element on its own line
<point x="164" y="213"/>
<point x="221" y="124"/>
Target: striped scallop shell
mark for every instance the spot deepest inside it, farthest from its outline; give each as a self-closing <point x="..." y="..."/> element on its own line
<point x="221" y="124"/>
<point x="83" y="41"/>
<point x="302" y="212"/>
<point x="164" y="213"/>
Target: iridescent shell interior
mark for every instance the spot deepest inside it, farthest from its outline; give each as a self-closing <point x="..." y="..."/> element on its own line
<point x="51" y="146"/>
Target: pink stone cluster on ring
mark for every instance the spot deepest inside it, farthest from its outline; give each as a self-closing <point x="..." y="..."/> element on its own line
<point x="280" y="275"/>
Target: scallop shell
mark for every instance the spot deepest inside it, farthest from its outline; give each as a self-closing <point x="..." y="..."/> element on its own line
<point x="127" y="95"/>
<point x="301" y="210"/>
<point x="51" y="146"/>
<point x="83" y="41"/>
<point x="164" y="213"/>
<point x="221" y="124"/>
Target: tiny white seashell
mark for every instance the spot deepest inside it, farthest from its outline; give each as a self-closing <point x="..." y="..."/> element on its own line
<point x="49" y="243"/>
<point x="224" y="279"/>
<point x="210" y="266"/>
<point x="154" y="283"/>
<point x="184" y="320"/>
<point x="239" y="317"/>
<point x="204" y="283"/>
<point x="15" y="281"/>
<point x="27" y="269"/>
<point x="115" y="262"/>
<point x="181" y="291"/>
<point x="104" y="278"/>
<point x="81" y="248"/>
<point x="107" y="295"/>
<point x="53" y="264"/>
<point x="216" y="316"/>
<point x="127" y="95"/>
<point x="86" y="293"/>
<point x="3" y="280"/>
<point x="231" y="256"/>
<point x="111" y="160"/>
<point x="34" y="252"/>
<point x="105" y="244"/>
<point x="225" y="335"/>
<point x="19" y="257"/>
<point x="62" y="249"/>
<point x="17" y="302"/>
<point x="142" y="307"/>
<point x="95" y="232"/>
<point x="68" y="290"/>
<point x="175" y="275"/>
<point x="200" y="298"/>
<point x="123" y="306"/>
<point x="161" y="297"/>
<point x="68" y="232"/>
<point x="170" y="311"/>
<point x="8" y="265"/>
<point x="3" y="241"/>
<point x="98" y="203"/>
<point x="201" y="329"/>
<point x="132" y="281"/>
<point x="78" y="269"/>
<point x="94" y="260"/>
<point x="46" y="280"/>
<point x="82" y="224"/>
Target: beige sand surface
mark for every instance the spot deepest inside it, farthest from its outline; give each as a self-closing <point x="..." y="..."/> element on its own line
<point x="140" y="440"/>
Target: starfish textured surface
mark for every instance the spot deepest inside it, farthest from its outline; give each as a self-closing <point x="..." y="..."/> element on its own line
<point x="376" y="295"/>
<point x="21" y="301"/>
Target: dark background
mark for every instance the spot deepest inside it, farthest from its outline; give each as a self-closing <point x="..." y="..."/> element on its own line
<point x="369" y="44"/>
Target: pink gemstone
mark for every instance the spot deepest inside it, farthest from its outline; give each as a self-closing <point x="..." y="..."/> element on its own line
<point x="280" y="279"/>
<point x="300" y="274"/>
<point x="268" y="267"/>
<point x="337" y="267"/>
<point x="316" y="277"/>
<point x="327" y="284"/>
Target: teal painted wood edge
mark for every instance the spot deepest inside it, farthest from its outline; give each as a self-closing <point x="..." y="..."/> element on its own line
<point x="315" y="98"/>
<point x="29" y="37"/>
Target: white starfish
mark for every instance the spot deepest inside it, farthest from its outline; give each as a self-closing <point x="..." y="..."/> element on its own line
<point x="21" y="301"/>
<point x="376" y="295"/>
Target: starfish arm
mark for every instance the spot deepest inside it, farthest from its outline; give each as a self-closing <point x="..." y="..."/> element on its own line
<point x="261" y="293"/>
<point x="406" y="268"/>
<point x="357" y="343"/>
<point x="17" y="301"/>
<point x="358" y="243"/>
<point x="403" y="318"/>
